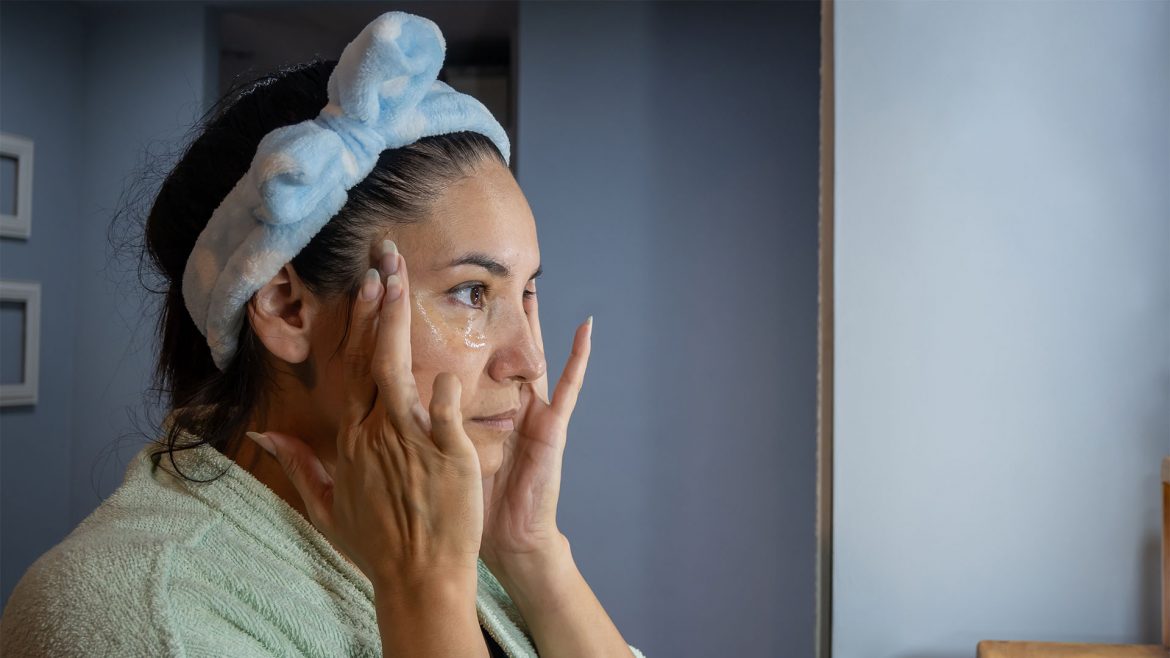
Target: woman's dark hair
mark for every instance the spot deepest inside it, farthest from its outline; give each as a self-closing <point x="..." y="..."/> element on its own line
<point x="212" y="407"/>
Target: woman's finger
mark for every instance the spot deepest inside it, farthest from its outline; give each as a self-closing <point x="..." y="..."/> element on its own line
<point x="446" y="417"/>
<point x="569" y="385"/>
<point x="305" y="471"/>
<point x="360" y="390"/>
<point x="388" y="258"/>
<point x="392" y="361"/>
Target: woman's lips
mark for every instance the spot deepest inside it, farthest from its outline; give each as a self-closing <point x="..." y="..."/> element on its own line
<point x="505" y="422"/>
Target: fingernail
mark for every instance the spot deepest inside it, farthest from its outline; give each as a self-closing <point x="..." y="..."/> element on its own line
<point x="263" y="441"/>
<point x="590" y="323"/>
<point x="393" y="287"/>
<point x="389" y="259"/>
<point x="370" y="285"/>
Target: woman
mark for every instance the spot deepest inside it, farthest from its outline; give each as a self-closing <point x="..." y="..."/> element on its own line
<point x="351" y="286"/>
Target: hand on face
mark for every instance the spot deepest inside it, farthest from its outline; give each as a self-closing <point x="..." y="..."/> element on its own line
<point x="474" y="318"/>
<point x="521" y="498"/>
<point x="403" y="499"/>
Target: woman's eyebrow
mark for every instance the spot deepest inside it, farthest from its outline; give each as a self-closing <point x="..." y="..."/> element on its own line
<point x="481" y="260"/>
<point x="488" y="263"/>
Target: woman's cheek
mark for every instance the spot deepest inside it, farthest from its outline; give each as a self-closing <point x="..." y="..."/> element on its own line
<point x="445" y="341"/>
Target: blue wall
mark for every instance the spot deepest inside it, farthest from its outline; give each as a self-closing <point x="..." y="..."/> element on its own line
<point x="144" y="82"/>
<point x="96" y="86"/>
<point x="41" y="97"/>
<point x="669" y="151"/>
<point x="1003" y="314"/>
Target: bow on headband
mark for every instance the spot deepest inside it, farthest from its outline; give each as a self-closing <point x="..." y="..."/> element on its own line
<point x="383" y="94"/>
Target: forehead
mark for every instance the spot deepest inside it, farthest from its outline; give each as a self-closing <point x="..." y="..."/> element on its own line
<point x="485" y="213"/>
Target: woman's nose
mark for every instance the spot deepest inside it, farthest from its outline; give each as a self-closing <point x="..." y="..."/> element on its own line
<point x="517" y="357"/>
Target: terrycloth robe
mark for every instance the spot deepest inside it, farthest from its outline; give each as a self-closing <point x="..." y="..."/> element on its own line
<point x="169" y="567"/>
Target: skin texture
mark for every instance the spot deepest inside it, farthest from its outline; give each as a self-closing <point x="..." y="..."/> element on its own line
<point x="380" y="435"/>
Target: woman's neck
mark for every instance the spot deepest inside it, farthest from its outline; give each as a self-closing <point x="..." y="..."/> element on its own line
<point x="292" y="416"/>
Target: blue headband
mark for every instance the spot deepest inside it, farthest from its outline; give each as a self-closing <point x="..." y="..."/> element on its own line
<point x="383" y="95"/>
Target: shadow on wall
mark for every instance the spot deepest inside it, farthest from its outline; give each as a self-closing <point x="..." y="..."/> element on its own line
<point x="673" y="170"/>
<point x="1149" y="572"/>
<point x="734" y="108"/>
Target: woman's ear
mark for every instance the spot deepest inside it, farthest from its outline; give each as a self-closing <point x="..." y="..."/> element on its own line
<point x="282" y="314"/>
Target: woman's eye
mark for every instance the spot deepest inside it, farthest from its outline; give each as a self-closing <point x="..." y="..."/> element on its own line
<point x="470" y="295"/>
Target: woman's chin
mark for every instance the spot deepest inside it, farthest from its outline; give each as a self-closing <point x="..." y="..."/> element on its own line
<point x="490" y="448"/>
<point x="489" y="464"/>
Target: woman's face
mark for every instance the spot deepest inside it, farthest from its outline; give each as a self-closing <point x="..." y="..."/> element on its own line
<point x="472" y="266"/>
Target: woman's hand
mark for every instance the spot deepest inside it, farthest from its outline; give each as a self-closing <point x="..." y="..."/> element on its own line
<point x="521" y="523"/>
<point x="404" y="501"/>
<point x="521" y="543"/>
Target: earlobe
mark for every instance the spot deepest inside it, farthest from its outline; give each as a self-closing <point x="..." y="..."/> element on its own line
<point x="281" y="314"/>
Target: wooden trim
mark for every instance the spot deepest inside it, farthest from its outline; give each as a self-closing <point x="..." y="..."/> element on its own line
<point x="824" y="558"/>
<point x="1166" y="552"/>
<point x="995" y="649"/>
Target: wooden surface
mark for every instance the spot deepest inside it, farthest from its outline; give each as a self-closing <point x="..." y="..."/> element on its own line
<point x="994" y="649"/>
<point x="1166" y="552"/>
<point x="998" y="649"/>
<point x="824" y="524"/>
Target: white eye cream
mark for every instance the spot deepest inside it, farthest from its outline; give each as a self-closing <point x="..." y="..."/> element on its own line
<point x="472" y="337"/>
<point x="446" y="333"/>
<point x="421" y="312"/>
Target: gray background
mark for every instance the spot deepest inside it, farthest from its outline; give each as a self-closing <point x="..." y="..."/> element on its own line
<point x="670" y="154"/>
<point x="93" y="86"/>
<point x="1003" y="323"/>
<point x="672" y="167"/>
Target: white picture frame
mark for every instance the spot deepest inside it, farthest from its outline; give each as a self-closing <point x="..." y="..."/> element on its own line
<point x="20" y="149"/>
<point x="28" y="293"/>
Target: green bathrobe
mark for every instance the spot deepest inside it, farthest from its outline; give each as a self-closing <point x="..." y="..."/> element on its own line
<point x="169" y="567"/>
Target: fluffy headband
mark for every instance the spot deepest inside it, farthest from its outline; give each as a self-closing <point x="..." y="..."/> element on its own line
<point x="383" y="94"/>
